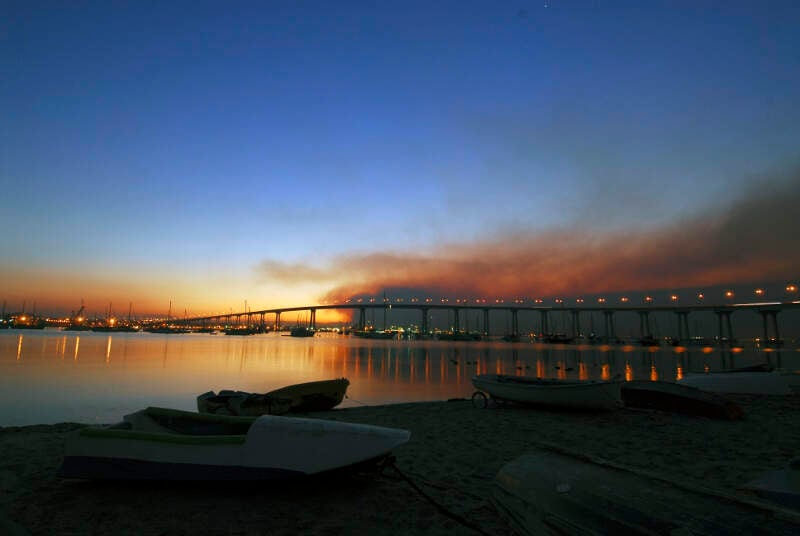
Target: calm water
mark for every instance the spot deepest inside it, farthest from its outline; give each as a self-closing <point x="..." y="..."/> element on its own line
<point x="53" y="376"/>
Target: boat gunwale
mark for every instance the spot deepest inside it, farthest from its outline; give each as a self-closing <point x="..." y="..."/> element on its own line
<point x="175" y="438"/>
<point x="549" y="383"/>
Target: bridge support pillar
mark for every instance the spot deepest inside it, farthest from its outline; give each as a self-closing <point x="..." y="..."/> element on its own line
<point x="765" y="316"/>
<point x="610" y="329"/>
<point x="456" y="326"/>
<point x="313" y="320"/>
<point x="514" y="322"/>
<point x="576" y="323"/>
<point x="486" y="322"/>
<point x="362" y="318"/>
<point x="683" y="326"/>
<point x="424" y="326"/>
<point x="644" y="324"/>
<point x="277" y="320"/>
<point x="724" y="317"/>
<point x="544" y="328"/>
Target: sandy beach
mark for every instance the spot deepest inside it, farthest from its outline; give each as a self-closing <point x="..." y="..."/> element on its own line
<point x="454" y="454"/>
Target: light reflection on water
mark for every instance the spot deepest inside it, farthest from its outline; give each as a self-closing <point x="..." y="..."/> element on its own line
<point x="53" y="376"/>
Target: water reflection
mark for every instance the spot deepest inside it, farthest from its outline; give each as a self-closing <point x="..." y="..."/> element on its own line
<point x="120" y="373"/>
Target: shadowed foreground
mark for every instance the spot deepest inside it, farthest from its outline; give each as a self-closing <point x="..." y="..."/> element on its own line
<point x="454" y="454"/>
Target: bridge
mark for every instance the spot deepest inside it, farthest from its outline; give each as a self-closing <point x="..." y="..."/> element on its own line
<point x="768" y="311"/>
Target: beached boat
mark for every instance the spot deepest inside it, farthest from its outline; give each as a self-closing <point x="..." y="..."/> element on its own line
<point x="310" y="396"/>
<point x="677" y="398"/>
<point x="313" y="396"/>
<point x="774" y="382"/>
<point x="571" y="394"/>
<point x="549" y="492"/>
<point x="242" y="403"/>
<point x="168" y="444"/>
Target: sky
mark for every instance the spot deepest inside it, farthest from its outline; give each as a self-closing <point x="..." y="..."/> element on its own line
<point x="222" y="155"/>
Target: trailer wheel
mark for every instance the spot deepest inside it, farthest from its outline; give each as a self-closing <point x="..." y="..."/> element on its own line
<point x="479" y="400"/>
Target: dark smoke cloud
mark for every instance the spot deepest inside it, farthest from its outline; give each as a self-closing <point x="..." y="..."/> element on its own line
<point x="753" y="239"/>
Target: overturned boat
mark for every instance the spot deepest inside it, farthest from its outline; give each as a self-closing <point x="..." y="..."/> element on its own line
<point x="677" y="398"/>
<point x="569" y="394"/>
<point x="547" y="492"/>
<point x="746" y="381"/>
<point x="167" y="444"/>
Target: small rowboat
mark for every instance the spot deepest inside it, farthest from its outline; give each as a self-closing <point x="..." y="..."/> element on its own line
<point x="302" y="397"/>
<point x="168" y="444"/>
<point x="313" y="396"/>
<point x="570" y="394"/>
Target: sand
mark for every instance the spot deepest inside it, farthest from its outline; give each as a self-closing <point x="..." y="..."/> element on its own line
<point x="454" y="454"/>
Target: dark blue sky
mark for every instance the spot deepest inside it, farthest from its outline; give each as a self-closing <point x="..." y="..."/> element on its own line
<point x="202" y="150"/>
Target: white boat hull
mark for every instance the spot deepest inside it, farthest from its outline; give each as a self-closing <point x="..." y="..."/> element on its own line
<point x="761" y="383"/>
<point x="579" y="395"/>
<point x="272" y="447"/>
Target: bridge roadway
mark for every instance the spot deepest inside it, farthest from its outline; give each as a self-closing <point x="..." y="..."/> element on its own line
<point x="768" y="310"/>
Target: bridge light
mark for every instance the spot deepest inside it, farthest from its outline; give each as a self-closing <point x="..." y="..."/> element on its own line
<point x="648" y="299"/>
<point x="729" y="294"/>
<point x="674" y="297"/>
<point x="601" y="300"/>
<point x="701" y="296"/>
<point x="791" y="288"/>
<point x="759" y="292"/>
<point x="624" y="299"/>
